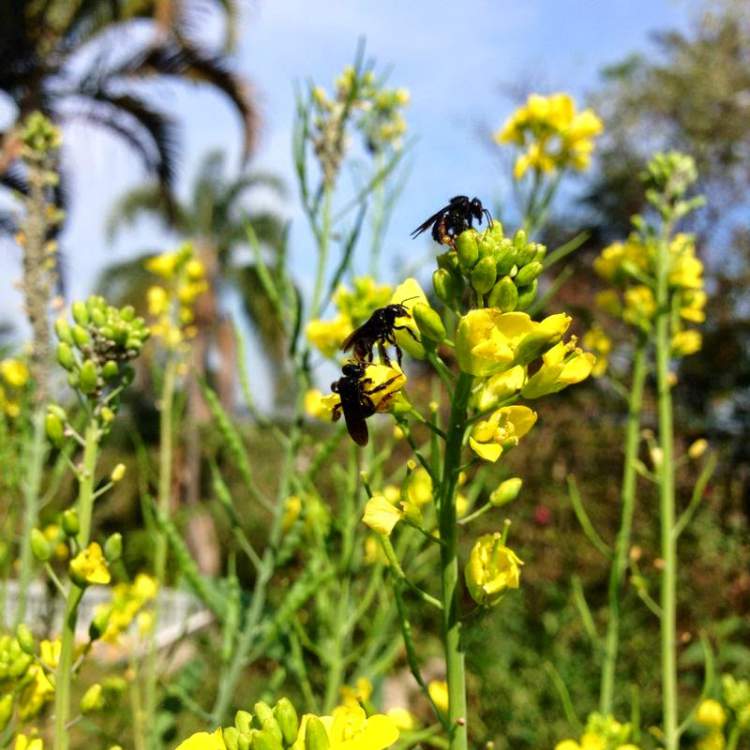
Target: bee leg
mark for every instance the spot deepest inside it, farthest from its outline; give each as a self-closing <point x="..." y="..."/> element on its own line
<point x="380" y="387"/>
<point x="336" y="412"/>
<point x="398" y="354"/>
<point x="384" y="358"/>
<point x="408" y="330"/>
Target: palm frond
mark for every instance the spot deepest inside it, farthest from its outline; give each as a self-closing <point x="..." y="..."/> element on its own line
<point x="145" y="200"/>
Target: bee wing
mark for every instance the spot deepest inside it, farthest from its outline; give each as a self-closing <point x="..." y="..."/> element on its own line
<point x="427" y="224"/>
<point x="352" y="337"/>
<point x="356" y="425"/>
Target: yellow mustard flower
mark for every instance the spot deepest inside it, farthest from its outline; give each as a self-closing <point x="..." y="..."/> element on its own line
<point x="350" y="728"/>
<point x="360" y="692"/>
<point x="685" y="270"/>
<point x="157" y="300"/>
<point x="639" y="306"/>
<point x="376" y="375"/>
<point x="380" y="515"/>
<point x="711" y="714"/>
<point x="712" y="741"/>
<point x="163" y="265"/>
<point x="90" y="566"/>
<point x="417" y="490"/>
<point x="292" y="509"/>
<point x="402" y="718"/>
<point x="14" y="372"/>
<point x="408" y="294"/>
<point x="373" y="553"/>
<point x="27" y="742"/>
<point x="319" y="405"/>
<point x="500" y="387"/>
<point x="203" y="741"/>
<point x="491" y="570"/>
<point x="359" y="302"/>
<point x="501" y="431"/>
<point x="562" y="365"/>
<point x="685" y="343"/>
<point x="37" y="691"/>
<point x="127" y="601"/>
<point x="597" y="341"/>
<point x="49" y="653"/>
<point x="593" y="741"/>
<point x="438" y="690"/>
<point x="327" y="336"/>
<point x="567" y="745"/>
<point x="692" y="304"/>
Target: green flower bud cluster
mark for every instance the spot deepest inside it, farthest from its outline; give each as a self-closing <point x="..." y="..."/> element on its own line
<point x="266" y="729"/>
<point x="39" y="136"/>
<point x="501" y="270"/>
<point x="667" y="177"/>
<point x="95" y="350"/>
<point x="15" y="657"/>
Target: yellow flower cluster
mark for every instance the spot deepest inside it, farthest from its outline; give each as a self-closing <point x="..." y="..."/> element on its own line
<point x="630" y="268"/>
<point x="354" y="306"/>
<point x="601" y="733"/>
<point x="128" y="601"/>
<point x="171" y="303"/>
<point x="14" y="376"/>
<point x="553" y="135"/>
<point x="348" y="727"/>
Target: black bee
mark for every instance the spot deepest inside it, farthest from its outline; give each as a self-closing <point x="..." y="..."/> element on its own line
<point x="356" y="403"/>
<point x="379" y="329"/>
<point x="452" y="219"/>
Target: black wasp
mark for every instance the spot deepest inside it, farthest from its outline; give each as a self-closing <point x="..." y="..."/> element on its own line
<point x="452" y="219"/>
<point x="378" y="330"/>
<point x="356" y="403"/>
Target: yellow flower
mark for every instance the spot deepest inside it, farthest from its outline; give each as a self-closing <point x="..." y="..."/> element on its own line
<point x="351" y="729"/>
<point x="328" y="335"/>
<point x="318" y="405"/>
<point x="567" y="745"/>
<point x="491" y="570"/>
<point x="501" y="431"/>
<point x="35" y="694"/>
<point x="24" y="742"/>
<point x="563" y="365"/>
<point x="49" y="653"/>
<point x="163" y="265"/>
<point x="402" y="718"/>
<point x="686" y="271"/>
<point x="417" y="489"/>
<point x="692" y="304"/>
<point x="126" y="602"/>
<point x="90" y="566"/>
<point x="14" y="372"/>
<point x="711" y="714"/>
<point x="203" y="741"/>
<point x="362" y="300"/>
<point x="593" y="741"/>
<point x="497" y="388"/>
<point x="195" y="270"/>
<point x="712" y="741"/>
<point x="598" y="341"/>
<point x="380" y="515"/>
<point x="292" y="509"/>
<point x="685" y="343"/>
<point x="359" y="693"/>
<point x="408" y="294"/>
<point x="157" y="300"/>
<point x="374" y="553"/>
<point x="438" y="690"/>
<point x="375" y="375"/>
<point x="697" y="448"/>
<point x="640" y="306"/>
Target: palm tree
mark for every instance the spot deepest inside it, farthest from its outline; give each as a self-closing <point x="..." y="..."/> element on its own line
<point x="60" y="57"/>
<point x="216" y="219"/>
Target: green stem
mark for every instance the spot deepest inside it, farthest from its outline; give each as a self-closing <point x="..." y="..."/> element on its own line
<point x="84" y="508"/>
<point x="166" y="445"/>
<point x="666" y="497"/>
<point x="324" y="240"/>
<point x="454" y="657"/>
<point x="622" y="545"/>
<point x="734" y="738"/>
<point x="34" y="462"/>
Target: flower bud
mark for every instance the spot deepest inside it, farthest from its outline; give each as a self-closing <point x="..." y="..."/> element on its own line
<point x="265" y="739"/>
<point x="526" y="295"/>
<point x="231" y="736"/>
<point x="62" y="329"/>
<point x="467" y="249"/>
<point x="25" y="639"/>
<point x="528" y="273"/>
<point x="697" y="448"/>
<point x="40" y="547"/>
<point x="99" y="622"/>
<point x="504" y="295"/>
<point x="113" y="547"/>
<point x="108" y="416"/>
<point x="245" y="739"/>
<point x="81" y="337"/>
<point x="429" y="322"/>
<point x="70" y="523"/>
<point x="117" y="473"/>
<point x="65" y="356"/>
<point x="506" y="491"/>
<point x="505" y="258"/>
<point x="93" y="699"/>
<point x="54" y="429"/>
<point x="80" y="313"/>
<point x="316" y="737"/>
<point x="267" y="721"/>
<point x="88" y="377"/>
<point x="286" y="717"/>
<point x="483" y="275"/>
<point x="444" y="283"/>
<point x="449" y="261"/>
<point x="243" y="720"/>
<point x="110" y="370"/>
<point x="6" y="710"/>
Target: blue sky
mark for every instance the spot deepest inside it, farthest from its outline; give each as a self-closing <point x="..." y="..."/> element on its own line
<point x="453" y="57"/>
